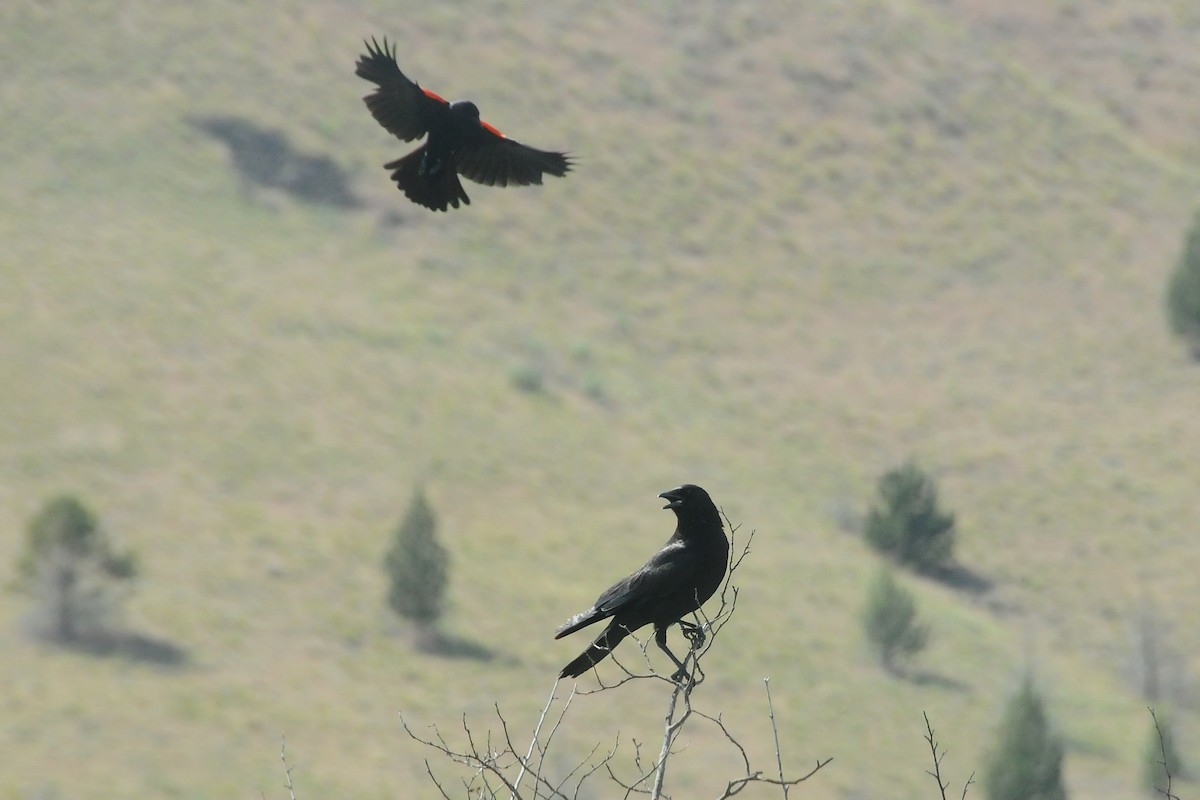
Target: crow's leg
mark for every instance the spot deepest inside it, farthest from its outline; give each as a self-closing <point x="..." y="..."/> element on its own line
<point x="660" y="637"/>
<point x="693" y="633"/>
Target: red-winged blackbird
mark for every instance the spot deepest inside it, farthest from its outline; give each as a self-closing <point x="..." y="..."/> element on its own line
<point x="675" y="582"/>
<point x="459" y="141"/>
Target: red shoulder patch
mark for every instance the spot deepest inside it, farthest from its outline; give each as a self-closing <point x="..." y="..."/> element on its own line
<point x="493" y="129"/>
<point x="435" y="96"/>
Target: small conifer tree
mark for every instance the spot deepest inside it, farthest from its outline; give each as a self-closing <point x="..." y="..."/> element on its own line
<point x="1026" y="763"/>
<point x="71" y="569"/>
<point x="417" y="567"/>
<point x="1183" y="291"/>
<point x="907" y="524"/>
<point x="890" y="621"/>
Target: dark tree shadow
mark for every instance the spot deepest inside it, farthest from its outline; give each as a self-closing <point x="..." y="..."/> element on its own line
<point x="961" y="578"/>
<point x="265" y="157"/>
<point x="936" y="680"/>
<point x="122" y="644"/>
<point x="449" y="645"/>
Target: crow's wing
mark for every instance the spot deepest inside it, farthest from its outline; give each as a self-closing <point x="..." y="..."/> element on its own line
<point x="669" y="569"/>
<point x="500" y="161"/>
<point x="399" y="104"/>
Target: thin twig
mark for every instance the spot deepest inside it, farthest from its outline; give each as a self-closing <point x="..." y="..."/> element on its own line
<point x="937" y="759"/>
<point x="719" y="721"/>
<point x="753" y="776"/>
<point x="432" y="777"/>
<point x="660" y="768"/>
<point x="491" y="763"/>
<point x="287" y="771"/>
<point x="544" y="748"/>
<point x="937" y="762"/>
<point x="536" y="732"/>
<point x="1162" y="748"/>
<point x="775" y="730"/>
<point x="596" y="768"/>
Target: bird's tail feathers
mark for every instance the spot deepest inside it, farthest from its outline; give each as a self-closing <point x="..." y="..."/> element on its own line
<point x="580" y="620"/>
<point x="435" y="190"/>
<point x="596" y="652"/>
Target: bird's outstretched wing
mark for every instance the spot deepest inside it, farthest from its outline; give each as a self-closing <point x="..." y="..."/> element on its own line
<point x="399" y="104"/>
<point x="500" y="161"/>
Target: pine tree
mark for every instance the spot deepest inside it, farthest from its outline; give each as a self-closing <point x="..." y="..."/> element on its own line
<point x="890" y="621"/>
<point x="1026" y="763"/>
<point x="417" y="567"/>
<point x="907" y="525"/>
<point x="1183" y="291"/>
<point x="71" y="569"/>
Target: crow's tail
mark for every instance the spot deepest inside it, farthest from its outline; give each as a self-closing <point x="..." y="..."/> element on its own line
<point x="596" y="651"/>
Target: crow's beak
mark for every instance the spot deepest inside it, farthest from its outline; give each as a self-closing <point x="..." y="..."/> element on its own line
<point x="672" y="500"/>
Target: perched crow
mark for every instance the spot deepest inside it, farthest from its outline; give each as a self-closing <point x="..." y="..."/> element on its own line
<point x="675" y="582"/>
<point x="459" y="141"/>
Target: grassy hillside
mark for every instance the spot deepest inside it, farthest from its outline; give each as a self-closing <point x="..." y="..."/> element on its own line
<point x="803" y="243"/>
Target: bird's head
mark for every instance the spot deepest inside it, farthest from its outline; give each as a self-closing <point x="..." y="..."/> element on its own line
<point x="688" y="497"/>
<point x="465" y="108"/>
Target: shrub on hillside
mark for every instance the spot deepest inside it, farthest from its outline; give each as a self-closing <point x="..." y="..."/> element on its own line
<point x="72" y="571"/>
<point x="890" y="621"/>
<point x="1183" y="291"/>
<point x="907" y="525"/>
<point x="1026" y="762"/>
<point x="417" y="567"/>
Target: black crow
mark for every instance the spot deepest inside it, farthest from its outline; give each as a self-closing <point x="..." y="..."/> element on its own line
<point x="675" y="582"/>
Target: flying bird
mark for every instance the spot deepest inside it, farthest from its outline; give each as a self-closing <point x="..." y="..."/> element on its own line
<point x="674" y="582"/>
<point x="459" y="143"/>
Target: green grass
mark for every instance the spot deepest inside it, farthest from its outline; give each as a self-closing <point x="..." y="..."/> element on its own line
<point x="801" y="245"/>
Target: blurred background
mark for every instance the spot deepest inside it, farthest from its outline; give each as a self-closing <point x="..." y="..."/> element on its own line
<point x="804" y="244"/>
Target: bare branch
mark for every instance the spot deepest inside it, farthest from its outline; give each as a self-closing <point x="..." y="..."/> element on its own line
<point x="1162" y="748"/>
<point x="493" y="759"/>
<point x="543" y="748"/>
<point x="775" y="731"/>
<point x="736" y="786"/>
<point x="719" y="721"/>
<point x="937" y="758"/>
<point x="287" y="771"/>
<point x="433" y="778"/>
<point x="670" y="732"/>
<point x="756" y="776"/>
<point x="938" y="755"/>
